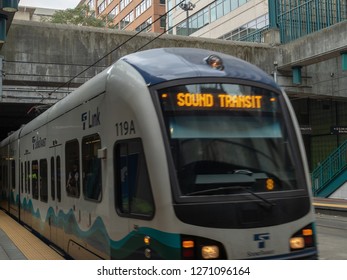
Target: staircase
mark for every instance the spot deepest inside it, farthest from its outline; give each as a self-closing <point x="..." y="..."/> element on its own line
<point x="331" y="173"/>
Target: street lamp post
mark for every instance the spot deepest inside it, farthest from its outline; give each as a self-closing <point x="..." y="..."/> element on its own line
<point x="187" y="6"/>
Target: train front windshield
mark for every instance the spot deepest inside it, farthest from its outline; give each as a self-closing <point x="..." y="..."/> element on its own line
<point x="228" y="139"/>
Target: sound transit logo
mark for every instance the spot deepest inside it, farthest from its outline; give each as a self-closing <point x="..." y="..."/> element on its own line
<point x="261" y="238"/>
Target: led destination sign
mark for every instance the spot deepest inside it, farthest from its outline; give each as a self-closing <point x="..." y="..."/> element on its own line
<point x="200" y="101"/>
<point x="220" y="100"/>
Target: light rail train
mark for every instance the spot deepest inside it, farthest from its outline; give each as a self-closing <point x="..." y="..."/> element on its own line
<point x="173" y="153"/>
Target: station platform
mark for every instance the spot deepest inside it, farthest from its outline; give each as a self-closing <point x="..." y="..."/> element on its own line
<point x="18" y="243"/>
<point x="330" y="206"/>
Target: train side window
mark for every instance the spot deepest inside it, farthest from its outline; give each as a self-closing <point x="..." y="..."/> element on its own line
<point x="52" y="179"/>
<point x="34" y="177"/>
<point x="21" y="177"/>
<point x="43" y="180"/>
<point x="25" y="177"/>
<point x="28" y="176"/>
<point x="58" y="179"/>
<point x="133" y="189"/>
<point x="91" y="167"/>
<point x="72" y="166"/>
<point x="13" y="174"/>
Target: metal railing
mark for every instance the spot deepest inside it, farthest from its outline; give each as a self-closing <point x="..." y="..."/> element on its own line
<point x="299" y="18"/>
<point x="255" y="36"/>
<point x="329" y="169"/>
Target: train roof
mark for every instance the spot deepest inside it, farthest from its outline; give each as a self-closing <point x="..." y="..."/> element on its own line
<point x="159" y="65"/>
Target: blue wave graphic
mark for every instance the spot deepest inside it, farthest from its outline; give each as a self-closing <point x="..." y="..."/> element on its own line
<point x="164" y="245"/>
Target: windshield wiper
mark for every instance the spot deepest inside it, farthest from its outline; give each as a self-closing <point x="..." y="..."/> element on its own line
<point x="268" y="204"/>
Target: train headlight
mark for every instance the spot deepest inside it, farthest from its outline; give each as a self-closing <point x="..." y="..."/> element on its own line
<point x="303" y="238"/>
<point x="297" y="243"/>
<point x="215" y="62"/>
<point x="210" y="252"/>
<point x="200" y="248"/>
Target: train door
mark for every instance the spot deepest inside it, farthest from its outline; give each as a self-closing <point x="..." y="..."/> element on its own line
<point x="26" y="215"/>
<point x="21" y="189"/>
<point x="14" y="188"/>
<point x="133" y="192"/>
<point x="4" y="181"/>
<point x="56" y="225"/>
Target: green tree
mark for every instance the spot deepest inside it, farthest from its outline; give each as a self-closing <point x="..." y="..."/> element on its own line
<point x="81" y="15"/>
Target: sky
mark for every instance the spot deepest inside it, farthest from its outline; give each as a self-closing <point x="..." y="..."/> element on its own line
<point x="51" y="4"/>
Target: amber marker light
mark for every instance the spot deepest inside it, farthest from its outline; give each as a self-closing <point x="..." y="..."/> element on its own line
<point x="307" y="232"/>
<point x="188" y="249"/>
<point x="147" y="240"/>
<point x="270" y="184"/>
<point x="188" y="244"/>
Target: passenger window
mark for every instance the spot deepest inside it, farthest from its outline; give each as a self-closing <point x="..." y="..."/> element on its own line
<point x="27" y="176"/>
<point x="34" y="177"/>
<point x="72" y="165"/>
<point x="91" y="167"/>
<point x="43" y="180"/>
<point x="133" y="189"/>
<point x="58" y="179"/>
<point x="52" y="179"/>
<point x="13" y="174"/>
<point x="21" y="177"/>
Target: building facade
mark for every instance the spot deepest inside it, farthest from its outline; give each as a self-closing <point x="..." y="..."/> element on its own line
<point x="218" y="19"/>
<point x="146" y="15"/>
<point x="34" y="13"/>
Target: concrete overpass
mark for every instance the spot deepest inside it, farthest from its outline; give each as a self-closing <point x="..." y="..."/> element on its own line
<point x="43" y="62"/>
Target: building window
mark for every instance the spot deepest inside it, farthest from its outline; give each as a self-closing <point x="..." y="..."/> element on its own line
<point x="124" y="3"/>
<point x="102" y="7"/>
<point x="208" y="14"/>
<point x="163" y="22"/>
<point x="250" y="31"/>
<point x="142" y="7"/>
<point x="145" y="26"/>
<point x="127" y="20"/>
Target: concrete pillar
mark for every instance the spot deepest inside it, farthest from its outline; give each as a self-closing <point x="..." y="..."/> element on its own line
<point x="272" y="36"/>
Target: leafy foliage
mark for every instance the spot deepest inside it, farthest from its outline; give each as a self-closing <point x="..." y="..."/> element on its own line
<point x="82" y="16"/>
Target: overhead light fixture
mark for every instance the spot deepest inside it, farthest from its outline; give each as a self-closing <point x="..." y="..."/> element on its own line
<point x="10" y="6"/>
<point x="3" y="20"/>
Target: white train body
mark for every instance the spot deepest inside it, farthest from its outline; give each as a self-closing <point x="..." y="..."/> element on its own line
<point x="129" y="201"/>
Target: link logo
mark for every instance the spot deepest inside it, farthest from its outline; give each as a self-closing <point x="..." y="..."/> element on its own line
<point x="90" y="119"/>
<point x="261" y="238"/>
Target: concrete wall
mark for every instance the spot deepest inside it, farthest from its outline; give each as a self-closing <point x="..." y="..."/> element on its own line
<point x="49" y="55"/>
